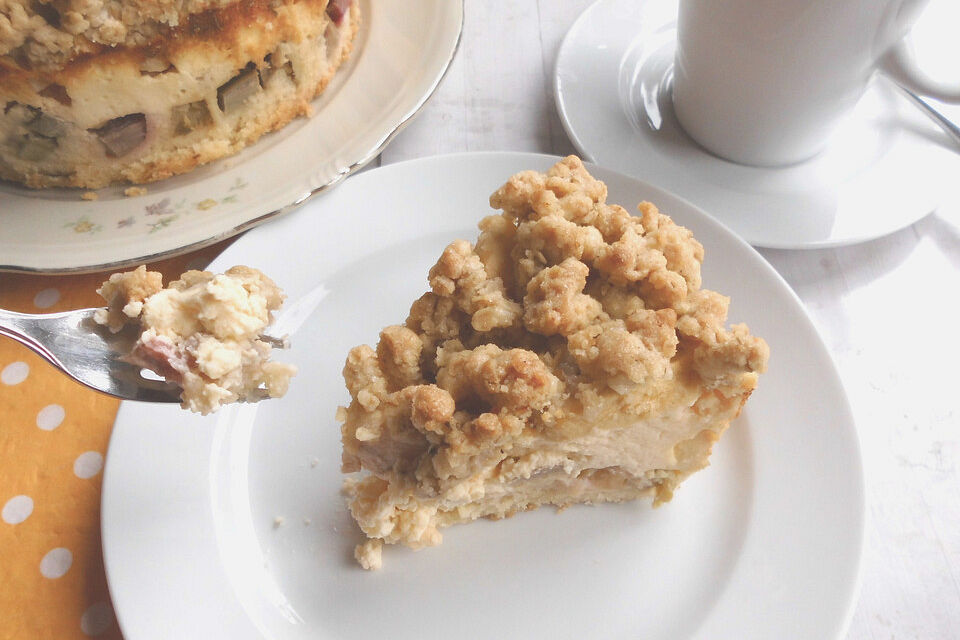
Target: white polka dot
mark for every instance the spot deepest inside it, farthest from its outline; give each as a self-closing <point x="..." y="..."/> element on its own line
<point x="14" y="373"/>
<point x="96" y="619"/>
<point x="17" y="509"/>
<point x="56" y="563"/>
<point x="50" y="417"/>
<point x="88" y="464"/>
<point x="46" y="298"/>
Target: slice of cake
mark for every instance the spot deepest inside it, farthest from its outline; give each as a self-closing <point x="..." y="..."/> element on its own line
<point x="569" y="356"/>
<point x="94" y="93"/>
<point x="202" y="332"/>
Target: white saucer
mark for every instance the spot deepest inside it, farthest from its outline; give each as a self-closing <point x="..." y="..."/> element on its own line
<point x="886" y="167"/>
<point x="764" y="543"/>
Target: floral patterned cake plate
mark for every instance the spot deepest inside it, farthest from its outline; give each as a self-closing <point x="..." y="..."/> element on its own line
<point x="401" y="53"/>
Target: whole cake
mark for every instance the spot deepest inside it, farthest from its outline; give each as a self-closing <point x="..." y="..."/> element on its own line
<point x="94" y="92"/>
<point x="569" y="356"/>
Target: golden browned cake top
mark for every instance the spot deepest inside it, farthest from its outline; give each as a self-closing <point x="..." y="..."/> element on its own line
<point x="45" y="34"/>
<point x="563" y="300"/>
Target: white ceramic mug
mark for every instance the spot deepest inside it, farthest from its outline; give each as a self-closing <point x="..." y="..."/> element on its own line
<point x="764" y="82"/>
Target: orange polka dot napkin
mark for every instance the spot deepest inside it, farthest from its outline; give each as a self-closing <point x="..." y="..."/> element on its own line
<point x="53" y="439"/>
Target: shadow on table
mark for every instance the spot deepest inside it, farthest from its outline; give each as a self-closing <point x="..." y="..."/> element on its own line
<point x="944" y="233"/>
<point x="817" y="272"/>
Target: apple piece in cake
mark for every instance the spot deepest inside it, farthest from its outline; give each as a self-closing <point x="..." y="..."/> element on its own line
<point x="203" y="332"/>
<point x="569" y="356"/>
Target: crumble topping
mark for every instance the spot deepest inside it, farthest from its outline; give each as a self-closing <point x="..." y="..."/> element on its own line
<point x="570" y="350"/>
<point x="49" y="33"/>
<point x="45" y="34"/>
<point x="202" y="332"/>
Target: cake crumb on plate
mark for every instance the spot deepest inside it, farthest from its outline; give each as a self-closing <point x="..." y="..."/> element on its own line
<point x="370" y="554"/>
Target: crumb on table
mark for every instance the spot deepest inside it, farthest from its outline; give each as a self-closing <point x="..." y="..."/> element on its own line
<point x="89" y="195"/>
<point x="132" y="192"/>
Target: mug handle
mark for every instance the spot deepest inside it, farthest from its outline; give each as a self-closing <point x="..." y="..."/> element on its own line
<point x="901" y="65"/>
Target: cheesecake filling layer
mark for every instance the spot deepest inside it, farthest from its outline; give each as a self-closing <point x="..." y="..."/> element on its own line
<point x="646" y="457"/>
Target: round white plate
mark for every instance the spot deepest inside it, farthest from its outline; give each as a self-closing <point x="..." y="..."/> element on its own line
<point x="764" y="543"/>
<point x="400" y="54"/>
<point x="886" y="166"/>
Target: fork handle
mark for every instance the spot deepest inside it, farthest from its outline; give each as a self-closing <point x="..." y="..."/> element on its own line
<point x="22" y="327"/>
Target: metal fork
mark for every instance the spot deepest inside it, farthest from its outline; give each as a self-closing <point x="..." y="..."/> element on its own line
<point x="87" y="352"/>
<point x="949" y="127"/>
<point x="92" y="355"/>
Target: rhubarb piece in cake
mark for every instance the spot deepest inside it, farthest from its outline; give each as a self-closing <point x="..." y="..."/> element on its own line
<point x="569" y="356"/>
<point x="203" y="332"/>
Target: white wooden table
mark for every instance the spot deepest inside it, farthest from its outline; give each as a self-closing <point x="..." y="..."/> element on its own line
<point x="889" y="310"/>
